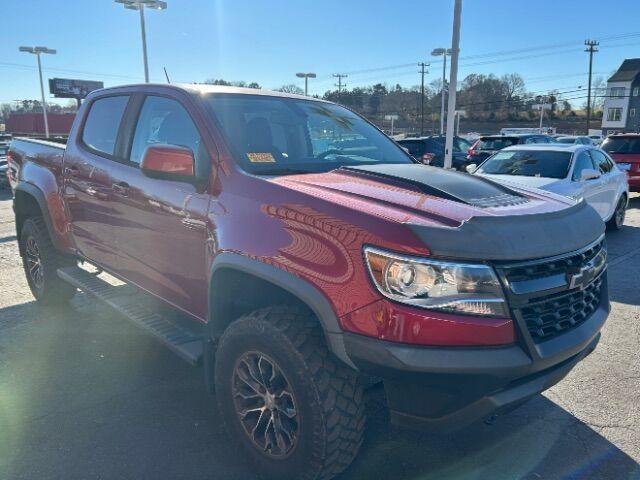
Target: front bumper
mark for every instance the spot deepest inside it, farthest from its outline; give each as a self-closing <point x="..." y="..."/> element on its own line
<point x="447" y="388"/>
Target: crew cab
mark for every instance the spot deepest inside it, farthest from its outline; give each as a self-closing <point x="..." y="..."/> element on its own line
<point x="313" y="255"/>
<point x="624" y="148"/>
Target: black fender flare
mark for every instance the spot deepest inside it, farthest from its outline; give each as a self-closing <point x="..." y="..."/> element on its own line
<point x="298" y="287"/>
<point x="38" y="195"/>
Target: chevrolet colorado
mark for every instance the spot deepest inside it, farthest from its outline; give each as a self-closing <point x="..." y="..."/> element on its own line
<point x="309" y="252"/>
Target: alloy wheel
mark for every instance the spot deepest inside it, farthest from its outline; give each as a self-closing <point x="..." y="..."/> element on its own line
<point x="620" y="213"/>
<point x="34" y="262"/>
<point x="265" y="404"/>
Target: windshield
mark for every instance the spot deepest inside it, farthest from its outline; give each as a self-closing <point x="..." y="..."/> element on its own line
<point x="566" y="140"/>
<point x="528" y="163"/>
<point x="621" y="145"/>
<point x="495" y="143"/>
<point x="274" y="136"/>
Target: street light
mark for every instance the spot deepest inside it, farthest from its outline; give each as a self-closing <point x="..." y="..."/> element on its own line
<point x="306" y="77"/>
<point x="436" y="52"/>
<point x="140" y="6"/>
<point x="37" y="51"/>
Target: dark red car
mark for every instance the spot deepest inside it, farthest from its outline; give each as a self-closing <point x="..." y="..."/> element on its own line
<point x="624" y="148"/>
<point x="311" y="252"/>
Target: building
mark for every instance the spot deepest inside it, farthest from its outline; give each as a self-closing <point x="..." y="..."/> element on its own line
<point x="32" y="124"/>
<point x="621" y="111"/>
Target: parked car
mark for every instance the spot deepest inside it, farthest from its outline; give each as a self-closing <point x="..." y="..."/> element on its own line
<point x="575" y="171"/>
<point x="3" y="164"/>
<point x="596" y="139"/>
<point x="578" y="140"/>
<point x="430" y="150"/>
<point x="625" y="151"/>
<point x="487" y="145"/>
<point x="302" y="268"/>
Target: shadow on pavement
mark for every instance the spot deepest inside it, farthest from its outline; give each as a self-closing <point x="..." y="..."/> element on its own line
<point x="85" y="394"/>
<point x="540" y="440"/>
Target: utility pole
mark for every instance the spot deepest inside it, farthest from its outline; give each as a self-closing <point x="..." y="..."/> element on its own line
<point x="592" y="47"/>
<point x="422" y="66"/>
<point x="340" y="76"/>
<point x="453" y="83"/>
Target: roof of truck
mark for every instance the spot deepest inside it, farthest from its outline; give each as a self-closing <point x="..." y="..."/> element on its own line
<point x="198" y="88"/>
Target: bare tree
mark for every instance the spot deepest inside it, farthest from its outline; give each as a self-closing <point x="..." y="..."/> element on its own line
<point x="291" y="88"/>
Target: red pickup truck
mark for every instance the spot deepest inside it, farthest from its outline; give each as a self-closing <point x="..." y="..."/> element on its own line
<point x="307" y="253"/>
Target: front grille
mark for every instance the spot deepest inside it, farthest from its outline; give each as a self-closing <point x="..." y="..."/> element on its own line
<point x="554" y="295"/>
<point x="547" y="317"/>
<point x="559" y="266"/>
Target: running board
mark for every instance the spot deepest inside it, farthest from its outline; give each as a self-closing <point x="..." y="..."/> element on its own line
<point x="168" y="327"/>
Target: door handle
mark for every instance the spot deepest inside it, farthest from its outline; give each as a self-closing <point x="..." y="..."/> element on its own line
<point x="72" y="171"/>
<point x="121" y="188"/>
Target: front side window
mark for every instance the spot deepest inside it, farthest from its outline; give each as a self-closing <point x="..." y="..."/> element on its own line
<point x="100" y="130"/>
<point x="614" y="114"/>
<point x="601" y="160"/>
<point x="279" y="135"/>
<point x="164" y="121"/>
<point x="583" y="162"/>
<point x="528" y="163"/>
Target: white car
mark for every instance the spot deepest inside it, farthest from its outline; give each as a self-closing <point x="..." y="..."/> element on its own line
<point x="575" y="171"/>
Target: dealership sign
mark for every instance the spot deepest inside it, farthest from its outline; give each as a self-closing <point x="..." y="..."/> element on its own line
<point x="69" y="88"/>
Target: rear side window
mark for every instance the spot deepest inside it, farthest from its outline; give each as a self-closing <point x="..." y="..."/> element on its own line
<point x="621" y="145"/>
<point x="583" y="162"/>
<point x="495" y="143"/>
<point x="103" y="121"/>
<point x="164" y="121"/>
<point x="416" y="149"/>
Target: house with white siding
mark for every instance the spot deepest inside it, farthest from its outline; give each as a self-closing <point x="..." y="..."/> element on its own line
<point x="622" y="101"/>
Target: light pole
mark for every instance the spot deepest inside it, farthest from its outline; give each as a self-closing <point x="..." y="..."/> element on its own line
<point x="436" y="52"/>
<point x="37" y="51"/>
<point x="306" y="77"/>
<point x="453" y="82"/>
<point x="140" y="5"/>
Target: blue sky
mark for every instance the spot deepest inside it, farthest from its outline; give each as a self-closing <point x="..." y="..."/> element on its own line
<point x="269" y="41"/>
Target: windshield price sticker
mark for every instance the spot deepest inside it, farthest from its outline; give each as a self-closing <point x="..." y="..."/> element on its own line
<point x="255" y="157"/>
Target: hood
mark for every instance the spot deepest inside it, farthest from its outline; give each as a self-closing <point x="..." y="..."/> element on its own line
<point x="515" y="180"/>
<point x="457" y="215"/>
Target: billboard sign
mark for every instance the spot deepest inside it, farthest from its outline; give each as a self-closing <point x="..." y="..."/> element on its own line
<point x="69" y="88"/>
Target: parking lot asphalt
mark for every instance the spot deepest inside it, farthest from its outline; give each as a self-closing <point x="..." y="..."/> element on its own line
<point x="86" y="395"/>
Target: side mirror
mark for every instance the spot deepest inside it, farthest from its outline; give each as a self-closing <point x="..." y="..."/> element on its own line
<point x="471" y="168"/>
<point x="589" y="174"/>
<point x="168" y="162"/>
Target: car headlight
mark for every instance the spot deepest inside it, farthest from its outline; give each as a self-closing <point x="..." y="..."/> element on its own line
<point x="437" y="285"/>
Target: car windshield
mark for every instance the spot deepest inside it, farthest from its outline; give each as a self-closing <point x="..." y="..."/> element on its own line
<point x="280" y="135"/>
<point x="566" y="140"/>
<point x="496" y="143"/>
<point x="621" y="145"/>
<point x="528" y="163"/>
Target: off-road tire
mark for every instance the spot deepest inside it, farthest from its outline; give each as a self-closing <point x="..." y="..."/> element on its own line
<point x="617" y="218"/>
<point x="51" y="290"/>
<point x="328" y="394"/>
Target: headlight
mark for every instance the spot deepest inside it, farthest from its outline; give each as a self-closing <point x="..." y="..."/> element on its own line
<point x="437" y="285"/>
